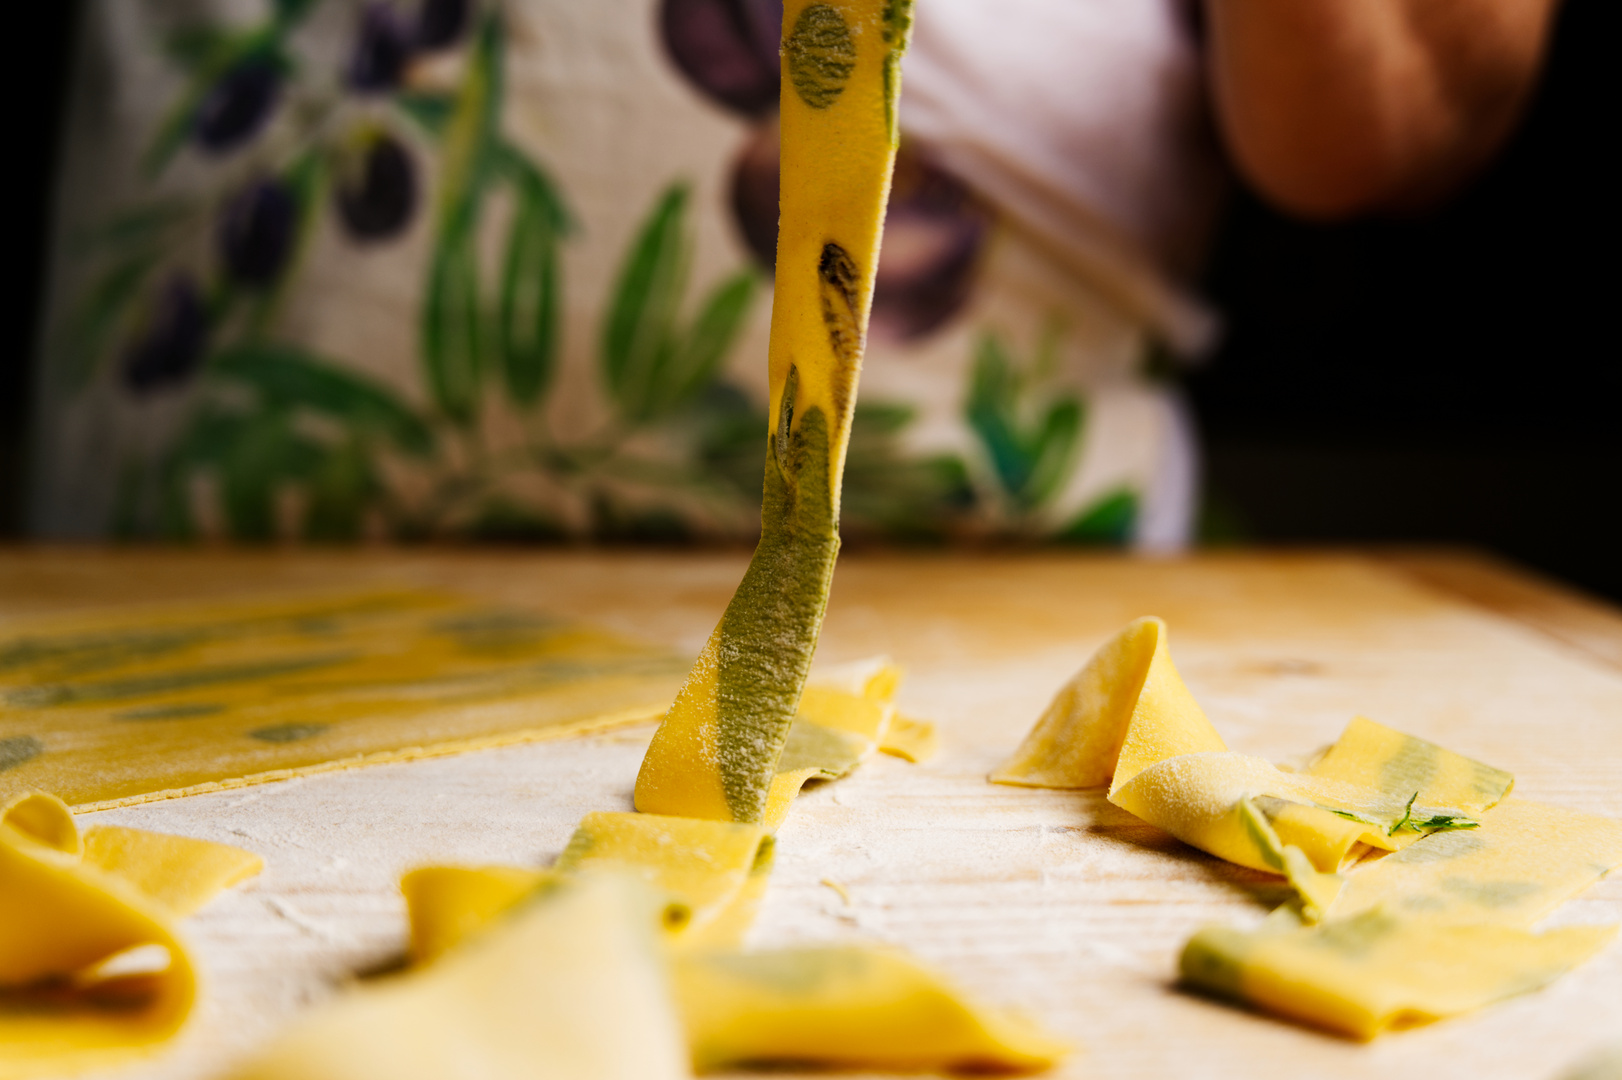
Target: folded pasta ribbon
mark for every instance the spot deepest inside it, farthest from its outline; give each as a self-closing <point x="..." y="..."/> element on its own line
<point x="571" y="983"/>
<point x="1435" y="923"/>
<point x="843" y="1006"/>
<point x="92" y="973"/>
<point x="712" y="873"/>
<point x="1439" y="928"/>
<point x="1128" y="720"/>
<point x="847" y="1006"/>
<point x="716" y="751"/>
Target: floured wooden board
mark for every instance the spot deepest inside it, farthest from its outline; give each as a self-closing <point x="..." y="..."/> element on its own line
<point x="1056" y="902"/>
<point x="154" y="702"/>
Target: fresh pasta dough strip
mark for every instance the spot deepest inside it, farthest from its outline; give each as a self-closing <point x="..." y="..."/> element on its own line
<point x="712" y="873"/>
<point x="1128" y="720"/>
<point x="851" y="1006"/>
<point x="92" y="972"/>
<point x="1436" y="929"/>
<point x="1438" y="924"/>
<point x="842" y="1006"/>
<point x="715" y="753"/>
<point x="571" y="984"/>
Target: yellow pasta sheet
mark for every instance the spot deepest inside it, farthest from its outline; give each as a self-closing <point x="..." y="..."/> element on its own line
<point x="711" y="873"/>
<point x="1417" y="882"/>
<point x="572" y="984"/>
<point x="1128" y="720"/>
<point x="92" y="972"/>
<point x="1439" y="928"/>
<point x="120" y="708"/>
<point x="717" y="749"/>
<point x="850" y="1006"/>
<point x="699" y="880"/>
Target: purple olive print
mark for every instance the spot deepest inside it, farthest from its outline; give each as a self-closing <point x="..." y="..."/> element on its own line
<point x="440" y="23"/>
<point x="382" y="47"/>
<point x="237" y="105"/>
<point x="169" y="346"/>
<point x="728" y="48"/>
<point x="934" y="230"/>
<point x="256" y="232"/>
<point x="377" y="189"/>
<point x="755" y="179"/>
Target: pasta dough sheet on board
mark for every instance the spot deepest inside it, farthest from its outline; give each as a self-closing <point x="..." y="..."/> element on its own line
<point x="127" y="706"/>
<point x="699" y="880"/>
<point x="1444" y="878"/>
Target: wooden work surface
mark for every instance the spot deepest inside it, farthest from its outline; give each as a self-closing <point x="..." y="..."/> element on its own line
<point x="1055" y="902"/>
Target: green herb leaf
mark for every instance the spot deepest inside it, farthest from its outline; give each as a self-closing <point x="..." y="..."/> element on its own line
<point x="532" y="182"/>
<point x="470" y="132"/>
<point x="291" y="12"/>
<point x="1052" y="450"/>
<point x="1030" y="462"/>
<point x="1110" y="520"/>
<point x="891" y="492"/>
<point x="286" y="378"/>
<point x="1407" y="815"/>
<point x="265" y="453"/>
<point x="993" y="393"/>
<point x="430" y="111"/>
<point x="452" y="328"/>
<point x="199" y="46"/>
<point x="453" y="335"/>
<point x="697" y="362"/>
<point x="1445" y="821"/>
<point x="340" y="487"/>
<point x="637" y="329"/>
<point x="530" y="294"/>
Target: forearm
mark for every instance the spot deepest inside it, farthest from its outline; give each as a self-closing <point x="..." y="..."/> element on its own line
<point x="1333" y="107"/>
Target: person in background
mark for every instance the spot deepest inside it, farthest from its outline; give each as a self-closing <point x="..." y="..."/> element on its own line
<point x="331" y="270"/>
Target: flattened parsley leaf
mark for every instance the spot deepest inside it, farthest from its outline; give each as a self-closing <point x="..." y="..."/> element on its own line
<point x="1434" y="823"/>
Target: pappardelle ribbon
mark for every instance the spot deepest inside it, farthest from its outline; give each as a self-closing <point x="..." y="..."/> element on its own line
<point x="484" y="937"/>
<point x="92" y="970"/>
<point x="1417" y="879"/>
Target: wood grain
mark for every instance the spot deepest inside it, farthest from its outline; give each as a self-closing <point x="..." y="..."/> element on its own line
<point x="1054" y="902"/>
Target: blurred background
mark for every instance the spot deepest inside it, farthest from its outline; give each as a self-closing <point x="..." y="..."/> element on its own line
<point x="1448" y="376"/>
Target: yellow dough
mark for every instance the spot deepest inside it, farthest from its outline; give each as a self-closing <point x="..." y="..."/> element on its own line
<point x="845" y="1006"/>
<point x="1436" y="927"/>
<point x="716" y="752"/>
<point x="709" y="876"/>
<point x="91" y="971"/>
<point x="910" y="739"/>
<point x="1434" y="930"/>
<point x="449" y="903"/>
<point x="1128" y="720"/>
<point x="571" y="985"/>
<point x="552" y="973"/>
<point x="855" y="1007"/>
<point x="121" y="708"/>
<point x="712" y="873"/>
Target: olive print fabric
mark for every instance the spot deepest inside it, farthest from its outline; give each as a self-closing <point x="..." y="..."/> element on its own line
<point x="332" y="270"/>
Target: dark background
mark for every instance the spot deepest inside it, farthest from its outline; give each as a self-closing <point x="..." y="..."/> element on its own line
<point x="1452" y="377"/>
<point x="1449" y="377"/>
